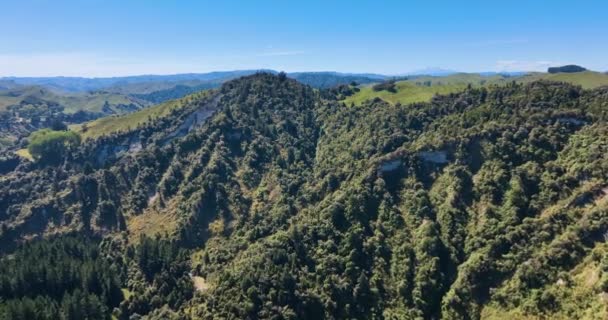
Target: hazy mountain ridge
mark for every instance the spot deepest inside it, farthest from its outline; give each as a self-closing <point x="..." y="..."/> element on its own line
<point x="141" y="84"/>
<point x="88" y="84"/>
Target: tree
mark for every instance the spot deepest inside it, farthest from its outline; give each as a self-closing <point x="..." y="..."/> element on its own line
<point x="568" y="69"/>
<point x="282" y="76"/>
<point x="48" y="146"/>
<point x="387" y="85"/>
<point x="58" y="125"/>
<point x="363" y="294"/>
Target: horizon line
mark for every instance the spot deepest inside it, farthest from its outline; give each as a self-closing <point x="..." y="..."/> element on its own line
<point x="402" y="74"/>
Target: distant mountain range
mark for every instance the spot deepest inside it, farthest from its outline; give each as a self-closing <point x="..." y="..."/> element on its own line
<point x="147" y="84"/>
<point x="77" y="84"/>
<point x="432" y="72"/>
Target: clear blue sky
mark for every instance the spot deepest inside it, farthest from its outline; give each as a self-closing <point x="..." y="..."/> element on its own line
<point x="111" y="37"/>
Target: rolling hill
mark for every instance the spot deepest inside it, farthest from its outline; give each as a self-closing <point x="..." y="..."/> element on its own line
<point x="406" y="93"/>
<point x="586" y="79"/>
<point x="96" y="102"/>
<point x="423" y="88"/>
<point x="24" y="109"/>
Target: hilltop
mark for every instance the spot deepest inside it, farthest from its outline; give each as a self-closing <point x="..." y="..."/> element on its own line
<point x="586" y="79"/>
<point x="423" y="88"/>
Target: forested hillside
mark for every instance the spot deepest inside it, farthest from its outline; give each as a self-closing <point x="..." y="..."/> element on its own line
<point x="268" y="199"/>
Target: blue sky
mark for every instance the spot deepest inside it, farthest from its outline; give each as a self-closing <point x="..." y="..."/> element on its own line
<point x="114" y="38"/>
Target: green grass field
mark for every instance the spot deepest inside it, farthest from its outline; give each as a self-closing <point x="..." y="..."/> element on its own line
<point x="424" y="88"/>
<point x="112" y="124"/>
<point x="72" y="102"/>
<point x="126" y="122"/>
<point x="463" y="79"/>
<point x="587" y="79"/>
<point x="407" y="92"/>
<point x="94" y="102"/>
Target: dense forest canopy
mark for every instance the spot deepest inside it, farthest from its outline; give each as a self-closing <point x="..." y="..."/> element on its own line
<point x="268" y="199"/>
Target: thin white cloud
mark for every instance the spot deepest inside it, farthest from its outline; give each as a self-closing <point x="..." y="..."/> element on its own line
<point x="88" y="65"/>
<point x="280" y="53"/>
<point x="518" y="65"/>
<point x="498" y="42"/>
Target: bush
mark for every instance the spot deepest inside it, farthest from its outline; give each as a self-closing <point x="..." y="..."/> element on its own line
<point x="387" y="85"/>
<point x="58" y="125"/>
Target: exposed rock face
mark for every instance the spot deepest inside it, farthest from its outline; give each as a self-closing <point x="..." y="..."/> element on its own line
<point x="130" y="143"/>
<point x="572" y="120"/>
<point x="439" y="157"/>
<point x="390" y="165"/>
<point x="194" y="120"/>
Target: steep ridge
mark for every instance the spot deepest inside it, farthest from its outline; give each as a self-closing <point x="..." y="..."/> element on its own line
<point x="285" y="203"/>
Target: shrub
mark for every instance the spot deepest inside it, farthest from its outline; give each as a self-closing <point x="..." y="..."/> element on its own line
<point x="387" y="85"/>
